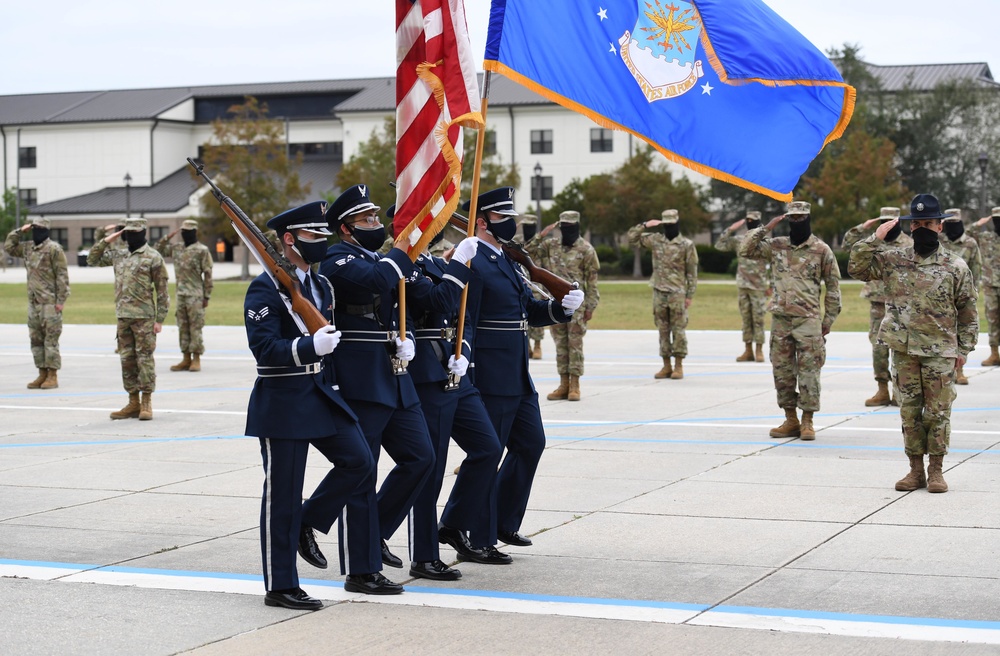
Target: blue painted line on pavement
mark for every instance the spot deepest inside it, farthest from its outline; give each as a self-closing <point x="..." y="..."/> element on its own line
<point x="772" y="442"/>
<point x="118" y="392"/>
<point x="145" y="440"/>
<point x="851" y="617"/>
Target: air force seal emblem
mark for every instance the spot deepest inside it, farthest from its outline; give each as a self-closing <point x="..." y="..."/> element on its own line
<point x="660" y="50"/>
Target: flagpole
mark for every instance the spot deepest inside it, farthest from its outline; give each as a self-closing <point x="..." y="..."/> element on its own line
<point x="477" y="168"/>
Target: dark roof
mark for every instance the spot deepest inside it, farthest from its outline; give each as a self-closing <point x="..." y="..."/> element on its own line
<point x="924" y="77"/>
<point x="381" y="95"/>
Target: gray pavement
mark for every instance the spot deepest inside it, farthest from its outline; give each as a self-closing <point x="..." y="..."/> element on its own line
<point x="664" y="519"/>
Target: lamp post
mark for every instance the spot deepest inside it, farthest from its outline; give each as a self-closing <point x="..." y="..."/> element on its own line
<point x="128" y="195"/>
<point x="984" y="161"/>
<point x="538" y="192"/>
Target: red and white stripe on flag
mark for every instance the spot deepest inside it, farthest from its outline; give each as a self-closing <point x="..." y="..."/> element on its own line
<point x="436" y="95"/>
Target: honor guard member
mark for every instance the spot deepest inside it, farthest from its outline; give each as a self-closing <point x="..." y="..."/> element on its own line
<point x="573" y="258"/>
<point x="141" y="304"/>
<point x="433" y="297"/>
<point x="875" y="292"/>
<point x="530" y="239"/>
<point x="48" y="288"/>
<point x="931" y="325"/>
<point x="800" y="264"/>
<point x="193" y="268"/>
<point x="674" y="281"/>
<point x="753" y="284"/>
<point x="296" y="402"/>
<point x="989" y="246"/>
<point x="500" y="309"/>
<point x="954" y="238"/>
<point x="372" y="361"/>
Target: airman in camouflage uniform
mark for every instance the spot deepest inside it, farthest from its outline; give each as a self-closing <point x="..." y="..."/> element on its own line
<point x="989" y="246"/>
<point x="874" y="291"/>
<point x="954" y="238"/>
<point x="674" y="281"/>
<point x="573" y="258"/>
<point x="193" y="268"/>
<point x="931" y="325"/>
<point x="531" y="239"/>
<point x="753" y="284"/>
<point x="141" y="303"/>
<point x="800" y="263"/>
<point x="48" y="288"/>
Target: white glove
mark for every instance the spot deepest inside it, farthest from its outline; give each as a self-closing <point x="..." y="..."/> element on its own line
<point x="405" y="349"/>
<point x="326" y="340"/>
<point x="572" y="300"/>
<point x="459" y="366"/>
<point x="466" y="250"/>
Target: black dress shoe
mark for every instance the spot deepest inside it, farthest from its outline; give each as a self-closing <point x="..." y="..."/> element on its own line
<point x="455" y="539"/>
<point x="513" y="538"/>
<point x="389" y="558"/>
<point x="374" y="584"/>
<point x="295" y="599"/>
<point x="309" y="550"/>
<point x="486" y="556"/>
<point x="434" y="570"/>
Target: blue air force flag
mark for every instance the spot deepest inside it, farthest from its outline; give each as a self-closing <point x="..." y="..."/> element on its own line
<point x="724" y="87"/>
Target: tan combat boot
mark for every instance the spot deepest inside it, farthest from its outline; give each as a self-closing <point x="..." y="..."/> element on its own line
<point x="994" y="359"/>
<point x="146" y="409"/>
<point x="560" y="393"/>
<point x="935" y="479"/>
<point x="37" y="383"/>
<point x="747" y="355"/>
<point x="806" y="431"/>
<point x="536" y="350"/>
<point x="195" y="362"/>
<point x="666" y="371"/>
<point x="960" y="378"/>
<point x="130" y="411"/>
<point x="183" y="364"/>
<point x="916" y="479"/>
<point x="574" y="388"/>
<point x="759" y="355"/>
<point x="51" y="381"/>
<point x="788" y="429"/>
<point x="678" y="371"/>
<point x="881" y="396"/>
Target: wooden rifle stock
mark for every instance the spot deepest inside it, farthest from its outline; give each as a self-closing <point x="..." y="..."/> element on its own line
<point x="277" y="264"/>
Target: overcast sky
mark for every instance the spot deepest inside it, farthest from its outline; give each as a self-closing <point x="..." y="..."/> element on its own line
<point x="57" y="45"/>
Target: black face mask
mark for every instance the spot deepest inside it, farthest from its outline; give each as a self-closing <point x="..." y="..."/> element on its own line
<point x="954" y="229"/>
<point x="925" y="241"/>
<point x="370" y="240"/>
<point x="38" y="235"/>
<point x="570" y="233"/>
<point x="894" y="232"/>
<point x="312" y="251"/>
<point x="189" y="236"/>
<point x="671" y="230"/>
<point x="503" y="230"/>
<point x="135" y="239"/>
<point x="996" y="224"/>
<point x="799" y="231"/>
<point x="529" y="230"/>
<point x="752" y="224"/>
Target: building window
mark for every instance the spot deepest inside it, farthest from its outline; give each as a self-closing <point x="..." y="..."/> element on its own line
<point x="60" y="236"/>
<point x="490" y="144"/>
<point x="26" y="157"/>
<point x="600" y="140"/>
<point x="87" y="237"/>
<point x="546" y="188"/>
<point x="541" y="142"/>
<point x="29" y="197"/>
<point x="157" y="233"/>
<point x="330" y="150"/>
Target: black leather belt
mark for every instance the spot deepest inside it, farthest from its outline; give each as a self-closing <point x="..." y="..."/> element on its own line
<point x="368" y="335"/>
<point x="357" y="310"/>
<point x="275" y="372"/>
<point x="487" y="324"/>
<point x="446" y="332"/>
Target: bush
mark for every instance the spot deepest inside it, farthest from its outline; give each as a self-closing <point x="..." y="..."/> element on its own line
<point x="842" y="257"/>
<point x="712" y="260"/>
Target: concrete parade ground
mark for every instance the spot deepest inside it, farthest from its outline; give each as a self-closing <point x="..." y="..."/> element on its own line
<point x="664" y="519"/>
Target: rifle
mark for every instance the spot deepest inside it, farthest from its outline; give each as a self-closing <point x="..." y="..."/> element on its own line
<point x="556" y="285"/>
<point x="274" y="262"/>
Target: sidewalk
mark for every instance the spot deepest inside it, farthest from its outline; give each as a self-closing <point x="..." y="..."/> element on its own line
<point x="665" y="521"/>
<point x="78" y="274"/>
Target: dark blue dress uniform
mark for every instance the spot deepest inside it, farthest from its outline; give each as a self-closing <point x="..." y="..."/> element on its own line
<point x="500" y="309"/>
<point x="296" y="402"/>
<point x="387" y="405"/>
<point x="432" y="301"/>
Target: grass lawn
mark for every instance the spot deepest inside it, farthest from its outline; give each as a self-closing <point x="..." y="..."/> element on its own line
<point x="624" y="306"/>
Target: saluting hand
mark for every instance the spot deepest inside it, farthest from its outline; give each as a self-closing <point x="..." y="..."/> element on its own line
<point x="884" y="229"/>
<point x="736" y="226"/>
<point x="773" y="222"/>
<point x="981" y="222"/>
<point x="652" y="223"/>
<point x="870" y="222"/>
<point x="25" y="228"/>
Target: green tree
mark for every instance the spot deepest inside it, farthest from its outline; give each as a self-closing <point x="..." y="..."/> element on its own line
<point x="249" y="159"/>
<point x="493" y="172"/>
<point x="7" y="212"/>
<point x="373" y="164"/>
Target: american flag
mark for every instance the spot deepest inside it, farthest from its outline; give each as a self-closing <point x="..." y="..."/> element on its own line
<point x="436" y="95"/>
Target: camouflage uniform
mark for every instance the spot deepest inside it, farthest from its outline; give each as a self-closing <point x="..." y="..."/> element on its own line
<point x="48" y="286"/>
<point x="874" y="291"/>
<point x="535" y="333"/>
<point x="193" y="268"/>
<point x="753" y="280"/>
<point x="968" y="249"/>
<point x="575" y="263"/>
<point x="141" y="300"/>
<point x="798" y="345"/>
<point x="675" y="279"/>
<point x="989" y="245"/>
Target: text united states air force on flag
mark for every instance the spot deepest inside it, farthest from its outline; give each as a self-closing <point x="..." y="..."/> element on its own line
<point x="724" y="87"/>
